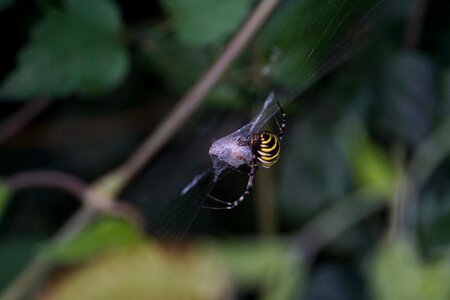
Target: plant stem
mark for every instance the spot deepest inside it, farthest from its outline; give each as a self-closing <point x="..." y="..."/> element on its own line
<point x="265" y="204"/>
<point x="113" y="183"/>
<point x="326" y="227"/>
<point x="414" y="25"/>
<point x="193" y="98"/>
<point x="16" y="122"/>
<point x="76" y="187"/>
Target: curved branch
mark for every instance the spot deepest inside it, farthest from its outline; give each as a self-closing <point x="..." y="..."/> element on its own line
<point x="22" y="117"/>
<point x="48" y="178"/>
<point x="192" y="99"/>
<point x="112" y="183"/>
<point x="346" y="212"/>
<point x="76" y="187"/>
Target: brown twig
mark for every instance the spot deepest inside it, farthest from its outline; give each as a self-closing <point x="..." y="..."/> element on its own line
<point x="47" y="178"/>
<point x="112" y="183"/>
<point x="21" y="118"/>
<point x="413" y="31"/>
<point x="342" y="215"/>
<point x="94" y="202"/>
<point x="76" y="187"/>
<point x="266" y="204"/>
<point x="193" y="98"/>
<point x="37" y="270"/>
<point x="428" y="156"/>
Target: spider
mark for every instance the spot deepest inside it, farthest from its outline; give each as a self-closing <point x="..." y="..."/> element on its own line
<point x="265" y="147"/>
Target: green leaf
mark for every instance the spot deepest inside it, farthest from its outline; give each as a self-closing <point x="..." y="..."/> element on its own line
<point x="15" y="254"/>
<point x="310" y="36"/>
<point x="77" y="49"/>
<point x="202" y="22"/>
<point x="317" y="167"/>
<point x="4" y="197"/>
<point x="225" y="96"/>
<point x="176" y="63"/>
<point x="370" y="165"/>
<point x="147" y="271"/>
<point x="271" y="264"/>
<point x="434" y="217"/>
<point x="4" y="4"/>
<point x="399" y="274"/>
<point x="408" y="99"/>
<point x="104" y="234"/>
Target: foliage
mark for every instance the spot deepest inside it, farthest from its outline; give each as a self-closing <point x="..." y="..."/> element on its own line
<point x="367" y="111"/>
<point x="5" y="4"/>
<point x="147" y="272"/>
<point x="4" y="197"/>
<point x="399" y="273"/>
<point x="105" y="233"/>
<point x="203" y="22"/>
<point x="76" y="48"/>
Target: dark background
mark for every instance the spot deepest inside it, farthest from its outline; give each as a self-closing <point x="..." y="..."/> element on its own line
<point x="358" y="207"/>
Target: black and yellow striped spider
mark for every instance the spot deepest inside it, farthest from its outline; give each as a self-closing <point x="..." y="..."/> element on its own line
<point x="265" y="147"/>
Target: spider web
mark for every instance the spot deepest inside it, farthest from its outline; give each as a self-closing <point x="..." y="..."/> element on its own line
<point x="229" y="151"/>
<point x="326" y="53"/>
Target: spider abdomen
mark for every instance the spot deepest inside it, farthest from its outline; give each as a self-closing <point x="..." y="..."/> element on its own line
<point x="266" y="148"/>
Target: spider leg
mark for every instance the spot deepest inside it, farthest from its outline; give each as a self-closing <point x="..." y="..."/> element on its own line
<point x="278" y="124"/>
<point x="230" y="205"/>
<point x="220" y="201"/>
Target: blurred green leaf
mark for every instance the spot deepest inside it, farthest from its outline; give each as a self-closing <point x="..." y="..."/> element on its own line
<point x="314" y="170"/>
<point x="74" y="49"/>
<point x="443" y="110"/>
<point x="434" y="217"/>
<point x="202" y="22"/>
<point x="271" y="264"/>
<point x="407" y="102"/>
<point x="176" y="63"/>
<point x="370" y="165"/>
<point x="104" y="234"/>
<point x="310" y="35"/>
<point x="147" y="271"/>
<point x="334" y="281"/>
<point x="15" y="253"/>
<point x="286" y="31"/>
<point x="225" y="96"/>
<point x="399" y="274"/>
<point x="4" y="197"/>
<point x="4" y="4"/>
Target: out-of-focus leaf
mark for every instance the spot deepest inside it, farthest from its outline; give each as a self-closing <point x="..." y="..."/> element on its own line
<point x="313" y="170"/>
<point x="333" y="281"/>
<point x="147" y="271"/>
<point x="4" y="4"/>
<point x="104" y="234"/>
<point x="4" y="197"/>
<point x="434" y="218"/>
<point x="407" y="101"/>
<point x="74" y="49"/>
<point x="371" y="167"/>
<point x="443" y="111"/>
<point x="399" y="274"/>
<point x="311" y="35"/>
<point x="176" y="63"/>
<point x="225" y="96"/>
<point x="15" y="253"/>
<point x="202" y="22"/>
<point x="271" y="263"/>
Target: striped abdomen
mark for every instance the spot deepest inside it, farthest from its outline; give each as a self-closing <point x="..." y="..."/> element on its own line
<point x="266" y="148"/>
